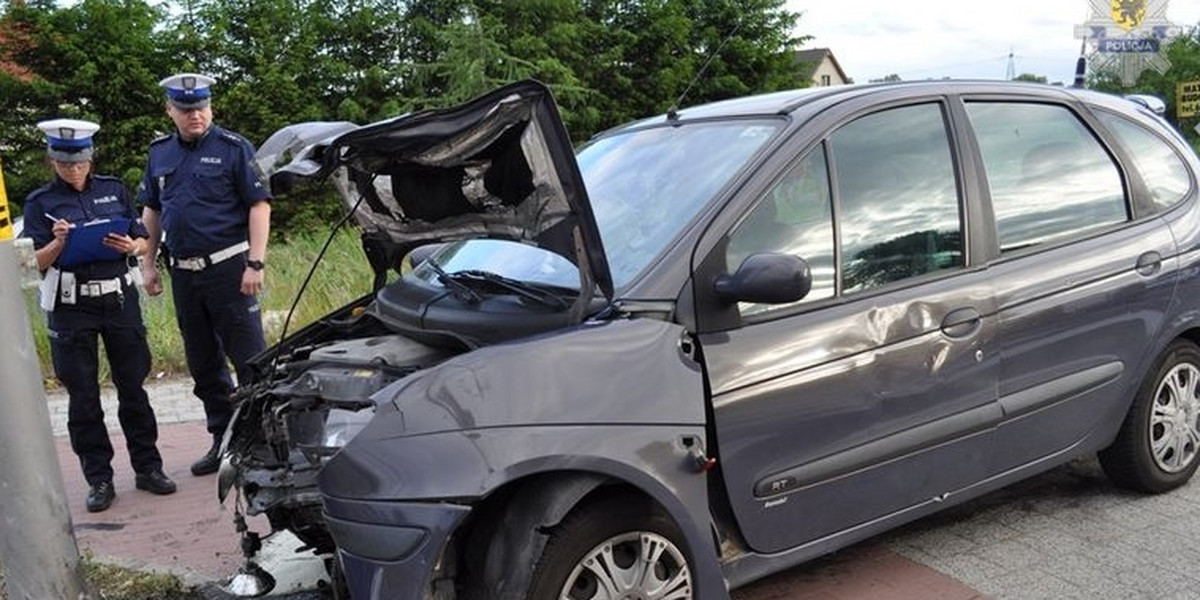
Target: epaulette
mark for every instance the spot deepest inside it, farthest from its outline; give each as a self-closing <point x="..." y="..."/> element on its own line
<point x="160" y="139"/>
<point x="106" y="178"/>
<point x="232" y="137"/>
<point x="37" y="192"/>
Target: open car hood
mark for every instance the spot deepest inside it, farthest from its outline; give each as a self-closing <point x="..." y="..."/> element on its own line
<point x="500" y="166"/>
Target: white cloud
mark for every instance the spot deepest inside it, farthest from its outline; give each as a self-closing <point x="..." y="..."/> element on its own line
<point x="963" y="38"/>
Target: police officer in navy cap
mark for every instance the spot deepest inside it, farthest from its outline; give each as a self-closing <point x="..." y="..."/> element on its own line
<point x="202" y="188"/>
<point x="88" y="291"/>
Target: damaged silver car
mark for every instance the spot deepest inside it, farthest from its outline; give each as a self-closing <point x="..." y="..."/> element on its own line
<point x="719" y="342"/>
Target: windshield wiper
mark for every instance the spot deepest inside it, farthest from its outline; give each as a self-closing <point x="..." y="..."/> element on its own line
<point x="524" y="289"/>
<point x="457" y="288"/>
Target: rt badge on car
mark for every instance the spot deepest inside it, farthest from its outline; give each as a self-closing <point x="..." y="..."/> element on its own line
<point x="713" y="344"/>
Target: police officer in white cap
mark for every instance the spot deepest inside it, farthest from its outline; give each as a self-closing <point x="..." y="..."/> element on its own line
<point x="89" y="293"/>
<point x="203" y="189"/>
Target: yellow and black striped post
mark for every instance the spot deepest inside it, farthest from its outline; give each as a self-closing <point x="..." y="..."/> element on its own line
<point x="6" y="218"/>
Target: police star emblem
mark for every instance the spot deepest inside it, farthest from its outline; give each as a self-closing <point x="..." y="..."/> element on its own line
<point x="1128" y="14"/>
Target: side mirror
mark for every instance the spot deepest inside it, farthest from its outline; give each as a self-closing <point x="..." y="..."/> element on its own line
<point x="766" y="278"/>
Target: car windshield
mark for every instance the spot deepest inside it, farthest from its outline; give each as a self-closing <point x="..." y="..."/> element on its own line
<point x="502" y="257"/>
<point x="645" y="186"/>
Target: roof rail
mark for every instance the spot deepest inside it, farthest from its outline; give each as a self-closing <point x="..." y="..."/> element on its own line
<point x="1154" y="103"/>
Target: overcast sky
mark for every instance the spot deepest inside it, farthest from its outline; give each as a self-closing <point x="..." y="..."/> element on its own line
<point x="955" y="38"/>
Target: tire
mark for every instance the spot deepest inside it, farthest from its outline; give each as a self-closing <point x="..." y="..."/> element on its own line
<point x="594" y="553"/>
<point x="1157" y="447"/>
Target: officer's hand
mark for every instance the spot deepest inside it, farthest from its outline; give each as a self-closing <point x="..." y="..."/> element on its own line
<point x="121" y="243"/>
<point x="150" y="279"/>
<point x="252" y="282"/>
<point x="60" y="229"/>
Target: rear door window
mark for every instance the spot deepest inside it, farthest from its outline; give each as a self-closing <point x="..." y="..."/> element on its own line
<point x="1050" y="178"/>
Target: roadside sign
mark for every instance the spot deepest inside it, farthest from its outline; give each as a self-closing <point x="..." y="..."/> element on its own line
<point x="1187" y="99"/>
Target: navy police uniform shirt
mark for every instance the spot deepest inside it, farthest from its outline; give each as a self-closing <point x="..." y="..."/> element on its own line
<point x="102" y="197"/>
<point x="203" y="190"/>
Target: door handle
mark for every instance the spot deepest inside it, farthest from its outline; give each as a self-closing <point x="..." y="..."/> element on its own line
<point x="1149" y="263"/>
<point x="962" y="322"/>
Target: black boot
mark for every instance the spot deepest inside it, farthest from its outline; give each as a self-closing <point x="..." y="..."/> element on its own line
<point x="100" y="497"/>
<point x="155" y="482"/>
<point x="209" y="462"/>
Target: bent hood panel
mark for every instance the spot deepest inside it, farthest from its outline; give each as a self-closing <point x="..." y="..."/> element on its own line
<point x="621" y="372"/>
<point x="622" y="388"/>
<point x="500" y="166"/>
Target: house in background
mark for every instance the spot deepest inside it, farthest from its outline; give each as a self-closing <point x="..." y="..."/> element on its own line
<point x="821" y="67"/>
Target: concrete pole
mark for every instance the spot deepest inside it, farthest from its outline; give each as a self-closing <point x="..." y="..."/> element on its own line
<point x="37" y="542"/>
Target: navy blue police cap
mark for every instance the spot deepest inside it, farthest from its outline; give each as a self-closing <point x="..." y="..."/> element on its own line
<point x="188" y="91"/>
<point x="69" y="140"/>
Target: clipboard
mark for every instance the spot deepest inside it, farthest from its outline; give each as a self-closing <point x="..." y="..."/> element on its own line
<point x="84" y="244"/>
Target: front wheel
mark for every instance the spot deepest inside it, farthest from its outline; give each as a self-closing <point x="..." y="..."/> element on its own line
<point x="621" y="547"/>
<point x="1156" y="448"/>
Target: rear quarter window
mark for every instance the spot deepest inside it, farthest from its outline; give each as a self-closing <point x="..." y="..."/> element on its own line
<point x="1165" y="173"/>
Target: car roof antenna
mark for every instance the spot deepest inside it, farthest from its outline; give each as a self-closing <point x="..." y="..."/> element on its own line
<point x="1081" y="66"/>
<point x="673" y="112"/>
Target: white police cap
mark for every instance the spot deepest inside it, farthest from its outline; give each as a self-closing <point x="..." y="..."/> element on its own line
<point x="188" y="90"/>
<point x="69" y="140"/>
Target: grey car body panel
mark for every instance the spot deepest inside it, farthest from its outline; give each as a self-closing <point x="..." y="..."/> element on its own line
<point x="846" y="386"/>
<point x="406" y="576"/>
<point x="1097" y="317"/>
<point x="463" y="429"/>
<point x="474" y="399"/>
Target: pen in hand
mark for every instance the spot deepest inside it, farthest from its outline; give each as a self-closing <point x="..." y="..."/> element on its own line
<point x="54" y="218"/>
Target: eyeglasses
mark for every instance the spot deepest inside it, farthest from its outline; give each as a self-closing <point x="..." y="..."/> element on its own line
<point x="72" y="166"/>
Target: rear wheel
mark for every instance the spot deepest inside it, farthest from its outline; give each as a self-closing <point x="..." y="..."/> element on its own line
<point x="1157" y="447"/>
<point x="621" y="547"/>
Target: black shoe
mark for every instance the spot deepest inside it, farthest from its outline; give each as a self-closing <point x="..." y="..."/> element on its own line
<point x="155" y="483"/>
<point x="209" y="462"/>
<point x="100" y="497"/>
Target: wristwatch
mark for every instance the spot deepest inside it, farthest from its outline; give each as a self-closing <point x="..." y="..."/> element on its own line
<point x="257" y="265"/>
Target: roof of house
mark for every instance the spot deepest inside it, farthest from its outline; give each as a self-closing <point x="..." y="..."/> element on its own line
<point x="813" y="57"/>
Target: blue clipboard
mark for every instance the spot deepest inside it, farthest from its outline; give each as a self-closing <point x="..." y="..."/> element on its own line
<point x="84" y="244"/>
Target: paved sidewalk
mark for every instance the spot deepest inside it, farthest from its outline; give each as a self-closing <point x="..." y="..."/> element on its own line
<point x="187" y="533"/>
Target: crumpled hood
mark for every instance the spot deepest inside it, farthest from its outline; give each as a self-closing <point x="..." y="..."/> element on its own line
<point x="521" y="383"/>
<point x="500" y="166"/>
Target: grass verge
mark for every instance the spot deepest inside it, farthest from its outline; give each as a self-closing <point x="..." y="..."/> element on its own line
<point x="112" y="582"/>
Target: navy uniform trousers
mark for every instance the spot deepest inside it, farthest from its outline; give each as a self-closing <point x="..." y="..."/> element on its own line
<point x="217" y="321"/>
<point x="74" y="329"/>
